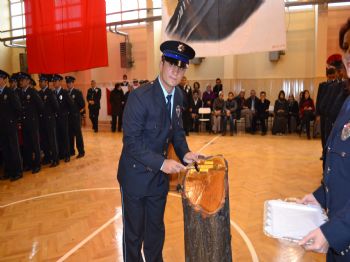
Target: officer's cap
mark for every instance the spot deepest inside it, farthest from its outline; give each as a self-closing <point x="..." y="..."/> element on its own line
<point x="178" y="53"/>
<point x="45" y="77"/>
<point x="69" y="79"/>
<point x="14" y="77"/>
<point x="22" y="75"/>
<point x="3" y="74"/>
<point x="56" y="77"/>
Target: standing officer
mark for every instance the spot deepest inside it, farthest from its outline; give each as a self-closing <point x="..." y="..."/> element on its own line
<point x="65" y="104"/>
<point x="10" y="108"/>
<point x="74" y="118"/>
<point x="32" y="106"/>
<point x="48" y="122"/>
<point x="116" y="99"/>
<point x="152" y="120"/>
<point x="93" y="97"/>
<point x="333" y="195"/>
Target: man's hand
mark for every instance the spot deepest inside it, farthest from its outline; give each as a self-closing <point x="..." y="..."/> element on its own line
<point x="170" y="166"/>
<point x="190" y="157"/>
<point x="315" y="241"/>
<point x="308" y="199"/>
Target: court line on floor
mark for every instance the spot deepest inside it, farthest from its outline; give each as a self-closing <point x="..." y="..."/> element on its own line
<point x="89" y="237"/>
<point x="208" y="144"/>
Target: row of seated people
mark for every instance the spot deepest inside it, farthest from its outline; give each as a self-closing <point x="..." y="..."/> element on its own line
<point x="288" y="114"/>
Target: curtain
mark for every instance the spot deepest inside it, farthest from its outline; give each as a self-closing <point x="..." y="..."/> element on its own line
<point x="65" y="35"/>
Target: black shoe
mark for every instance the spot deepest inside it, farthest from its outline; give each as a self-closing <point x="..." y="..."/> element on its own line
<point x="26" y="168"/>
<point x="80" y="155"/>
<point x="18" y="176"/>
<point x="55" y="163"/>
<point x="36" y="170"/>
<point x="67" y="159"/>
<point x="4" y="177"/>
<point x="45" y="161"/>
<point x="72" y="153"/>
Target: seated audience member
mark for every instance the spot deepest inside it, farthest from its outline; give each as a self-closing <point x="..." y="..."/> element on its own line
<point x="197" y="87"/>
<point x="208" y="99"/>
<point x="135" y="84"/>
<point x="218" y="108"/>
<point x="293" y="114"/>
<point x="262" y="113"/>
<point x="230" y="109"/>
<point x="252" y="104"/>
<point x="240" y="103"/>
<point x="301" y="98"/>
<point x="280" y="114"/>
<point x="195" y="104"/>
<point x="307" y="109"/>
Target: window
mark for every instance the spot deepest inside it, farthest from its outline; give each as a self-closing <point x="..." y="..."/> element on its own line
<point x="17" y="17"/>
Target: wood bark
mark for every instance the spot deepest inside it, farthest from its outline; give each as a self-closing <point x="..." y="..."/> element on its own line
<point x="206" y="211"/>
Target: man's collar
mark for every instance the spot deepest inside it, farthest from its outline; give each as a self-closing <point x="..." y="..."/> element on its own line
<point x="164" y="90"/>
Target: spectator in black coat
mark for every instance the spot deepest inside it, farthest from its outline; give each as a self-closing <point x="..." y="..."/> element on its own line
<point x="117" y="100"/>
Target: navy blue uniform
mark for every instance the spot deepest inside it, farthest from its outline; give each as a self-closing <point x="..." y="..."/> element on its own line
<point x="10" y="109"/>
<point x="75" y="121"/>
<point x="32" y="106"/>
<point x="65" y="104"/>
<point x="148" y="130"/>
<point x="94" y="94"/>
<point x="334" y="194"/>
<point x="48" y="134"/>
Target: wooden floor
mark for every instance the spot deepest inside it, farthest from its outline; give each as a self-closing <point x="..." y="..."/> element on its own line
<point x="73" y="212"/>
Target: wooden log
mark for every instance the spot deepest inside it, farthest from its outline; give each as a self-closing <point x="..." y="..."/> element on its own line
<point x="174" y="179"/>
<point x="206" y="209"/>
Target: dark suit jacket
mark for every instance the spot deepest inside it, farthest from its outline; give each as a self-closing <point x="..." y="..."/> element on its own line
<point x="32" y="106"/>
<point x="50" y="104"/>
<point x="94" y="96"/>
<point x="78" y="102"/>
<point x="148" y="130"/>
<point x="117" y="100"/>
<point x="65" y="103"/>
<point x="10" y="110"/>
<point x="195" y="107"/>
<point x="249" y="101"/>
<point x="334" y="194"/>
<point x="262" y="107"/>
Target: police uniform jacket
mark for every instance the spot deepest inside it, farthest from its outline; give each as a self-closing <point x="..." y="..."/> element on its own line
<point x="148" y="130"/>
<point x="10" y="110"/>
<point x="78" y="102"/>
<point x="50" y="104"/>
<point x="334" y="194"/>
<point x="94" y="95"/>
<point x="32" y="106"/>
<point x="322" y="90"/>
<point x="65" y="103"/>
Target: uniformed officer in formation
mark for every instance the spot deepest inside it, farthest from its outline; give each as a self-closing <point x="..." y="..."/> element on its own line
<point x="333" y="195"/>
<point x="152" y="120"/>
<point x="48" y="122"/>
<point x="32" y="106"/>
<point x="75" y="119"/>
<point x="93" y="98"/>
<point x="10" y="109"/>
<point x="65" y="104"/>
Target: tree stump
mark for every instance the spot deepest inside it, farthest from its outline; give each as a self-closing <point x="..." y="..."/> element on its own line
<point x="205" y="200"/>
<point x="175" y="179"/>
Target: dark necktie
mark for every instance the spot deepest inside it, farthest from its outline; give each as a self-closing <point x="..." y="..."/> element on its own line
<point x="168" y="104"/>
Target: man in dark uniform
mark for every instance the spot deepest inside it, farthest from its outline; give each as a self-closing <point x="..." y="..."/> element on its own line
<point x="93" y="98"/>
<point x="116" y="99"/>
<point x="187" y="98"/>
<point x="320" y="112"/>
<point x="333" y="195"/>
<point x="10" y="108"/>
<point x="48" y="122"/>
<point x="65" y="104"/>
<point x="74" y="118"/>
<point x="32" y="106"/>
<point x="152" y="120"/>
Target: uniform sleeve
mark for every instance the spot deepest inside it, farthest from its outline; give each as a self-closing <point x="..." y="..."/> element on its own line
<point x="81" y="100"/>
<point x="15" y="103"/>
<point x="38" y="101"/>
<point x="337" y="230"/>
<point x="54" y="102"/>
<point x="134" y="121"/>
<point x="320" y="196"/>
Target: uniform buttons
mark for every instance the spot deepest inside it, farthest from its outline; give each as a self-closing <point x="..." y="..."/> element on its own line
<point x="133" y="165"/>
<point x="343" y="154"/>
<point x="327" y="189"/>
<point x="149" y="169"/>
<point x="328" y="170"/>
<point x="342" y="253"/>
<point x="328" y="149"/>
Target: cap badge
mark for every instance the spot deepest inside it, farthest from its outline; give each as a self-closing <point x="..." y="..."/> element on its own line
<point x="345" y="134"/>
<point x="181" y="48"/>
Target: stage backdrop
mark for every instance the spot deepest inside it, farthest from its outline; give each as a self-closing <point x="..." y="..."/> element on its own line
<point x="224" y="27"/>
<point x="65" y="35"/>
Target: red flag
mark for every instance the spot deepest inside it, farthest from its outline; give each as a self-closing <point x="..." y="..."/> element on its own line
<point x="65" y="35"/>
